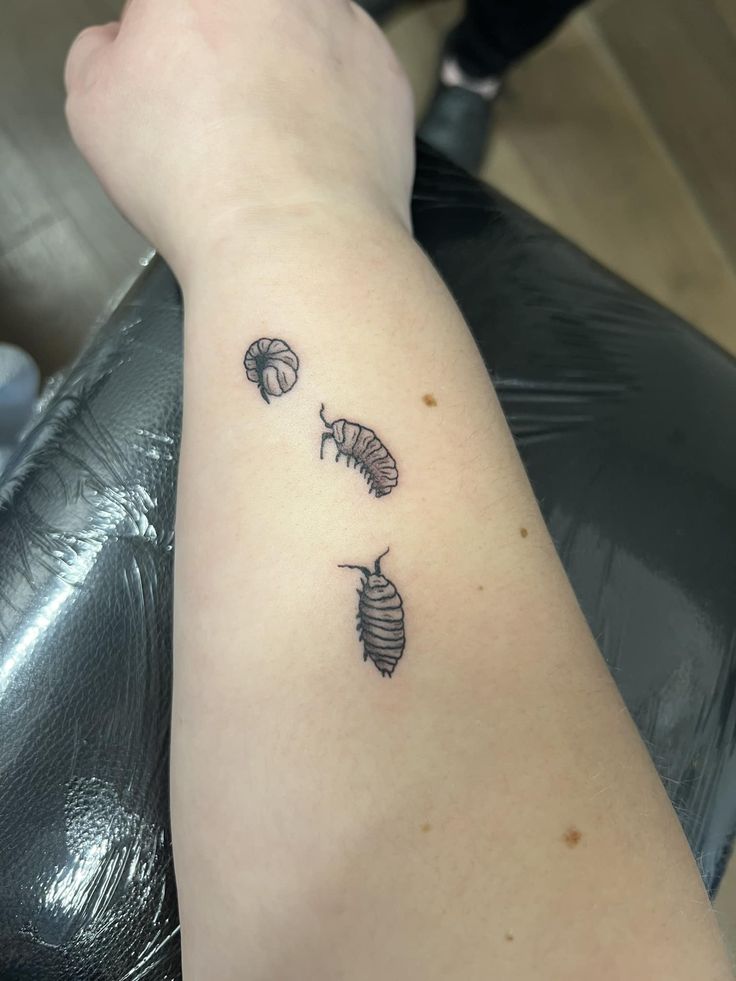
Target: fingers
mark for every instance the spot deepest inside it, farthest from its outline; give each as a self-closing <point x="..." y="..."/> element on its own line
<point x="85" y="52"/>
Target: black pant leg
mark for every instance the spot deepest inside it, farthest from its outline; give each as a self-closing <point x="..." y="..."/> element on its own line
<point x="495" y="33"/>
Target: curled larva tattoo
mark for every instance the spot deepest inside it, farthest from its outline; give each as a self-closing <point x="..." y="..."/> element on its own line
<point x="365" y="449"/>
<point x="272" y="365"/>
<point x="380" y="618"/>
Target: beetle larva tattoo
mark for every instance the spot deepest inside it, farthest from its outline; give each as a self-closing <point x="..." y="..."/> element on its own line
<point x="272" y="365"/>
<point x="365" y="449"/>
<point x="380" y="618"/>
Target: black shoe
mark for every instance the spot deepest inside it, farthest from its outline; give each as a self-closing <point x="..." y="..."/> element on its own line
<point x="458" y="125"/>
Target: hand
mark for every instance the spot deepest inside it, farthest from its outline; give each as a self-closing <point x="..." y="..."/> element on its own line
<point x="199" y="117"/>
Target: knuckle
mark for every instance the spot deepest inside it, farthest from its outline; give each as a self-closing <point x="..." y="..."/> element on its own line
<point x="74" y="115"/>
<point x="83" y="58"/>
<point x="73" y="59"/>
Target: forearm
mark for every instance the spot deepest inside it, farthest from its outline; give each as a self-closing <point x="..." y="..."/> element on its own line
<point x="470" y="800"/>
<point x="331" y="822"/>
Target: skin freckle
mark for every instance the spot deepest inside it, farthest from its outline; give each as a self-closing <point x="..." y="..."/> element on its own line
<point x="480" y="589"/>
<point x="509" y="936"/>
<point x="523" y="532"/>
<point x="572" y="837"/>
<point x="429" y="400"/>
<point x="426" y="827"/>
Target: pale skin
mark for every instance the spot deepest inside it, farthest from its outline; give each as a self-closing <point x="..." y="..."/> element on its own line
<point x="489" y="811"/>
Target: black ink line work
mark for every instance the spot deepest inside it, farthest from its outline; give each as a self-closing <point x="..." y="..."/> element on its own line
<point x="365" y="449"/>
<point x="380" y="618"/>
<point x="273" y="365"/>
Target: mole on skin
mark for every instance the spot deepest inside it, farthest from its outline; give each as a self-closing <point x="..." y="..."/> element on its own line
<point x="571" y="837"/>
<point x="426" y="827"/>
<point x="509" y="936"/>
<point x="523" y="532"/>
<point x="429" y="400"/>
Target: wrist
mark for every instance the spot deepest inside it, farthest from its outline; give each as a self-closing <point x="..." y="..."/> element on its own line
<point x="293" y="234"/>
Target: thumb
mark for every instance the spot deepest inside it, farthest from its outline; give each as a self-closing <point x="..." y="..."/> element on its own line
<point x="85" y="52"/>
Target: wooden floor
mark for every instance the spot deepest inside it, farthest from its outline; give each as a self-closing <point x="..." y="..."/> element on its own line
<point x="64" y="251"/>
<point x="621" y="132"/>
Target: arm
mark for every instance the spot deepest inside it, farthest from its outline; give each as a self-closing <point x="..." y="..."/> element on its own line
<point x="488" y="809"/>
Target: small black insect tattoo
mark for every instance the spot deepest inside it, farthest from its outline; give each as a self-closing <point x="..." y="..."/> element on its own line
<point x="380" y="618"/>
<point x="273" y="366"/>
<point x="365" y="449"/>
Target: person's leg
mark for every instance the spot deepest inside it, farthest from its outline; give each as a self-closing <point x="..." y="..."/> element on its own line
<point x="494" y="34"/>
<point x="491" y="37"/>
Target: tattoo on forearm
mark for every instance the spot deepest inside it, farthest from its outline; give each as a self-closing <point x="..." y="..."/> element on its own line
<point x="380" y="618"/>
<point x="365" y="449"/>
<point x="273" y="366"/>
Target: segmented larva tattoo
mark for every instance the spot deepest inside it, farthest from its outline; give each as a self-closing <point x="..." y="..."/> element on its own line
<point x="380" y="618"/>
<point x="272" y="365"/>
<point x="365" y="449"/>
